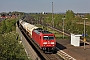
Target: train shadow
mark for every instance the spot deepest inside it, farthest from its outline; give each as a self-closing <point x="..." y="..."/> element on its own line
<point x="61" y="47"/>
<point x="82" y="44"/>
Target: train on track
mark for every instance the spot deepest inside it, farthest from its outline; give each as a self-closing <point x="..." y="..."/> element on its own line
<point x="43" y="38"/>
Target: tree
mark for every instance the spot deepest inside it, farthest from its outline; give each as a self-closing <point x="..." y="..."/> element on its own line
<point x="69" y="15"/>
<point x="9" y="26"/>
<point x="4" y="27"/>
<point x="10" y="49"/>
<point x="87" y="16"/>
<point x="69" y="19"/>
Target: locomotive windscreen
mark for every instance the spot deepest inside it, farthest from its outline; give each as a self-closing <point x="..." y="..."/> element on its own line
<point x="48" y="38"/>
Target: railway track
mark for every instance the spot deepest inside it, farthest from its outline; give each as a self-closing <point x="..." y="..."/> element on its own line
<point x="53" y="57"/>
<point x="64" y="55"/>
<point x="39" y="52"/>
<point x="59" y="31"/>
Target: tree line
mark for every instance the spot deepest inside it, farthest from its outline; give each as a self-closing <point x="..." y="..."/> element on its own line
<point x="71" y="21"/>
<point x="10" y="49"/>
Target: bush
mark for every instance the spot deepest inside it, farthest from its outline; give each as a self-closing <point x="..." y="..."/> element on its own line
<point x="10" y="49"/>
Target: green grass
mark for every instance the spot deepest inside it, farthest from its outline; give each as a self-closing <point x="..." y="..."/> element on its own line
<point x="57" y="34"/>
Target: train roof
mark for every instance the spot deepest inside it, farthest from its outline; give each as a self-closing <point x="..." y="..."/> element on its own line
<point x="40" y="30"/>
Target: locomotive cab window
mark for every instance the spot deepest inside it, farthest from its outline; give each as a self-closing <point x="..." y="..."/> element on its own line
<point x="51" y="37"/>
<point x="45" y="37"/>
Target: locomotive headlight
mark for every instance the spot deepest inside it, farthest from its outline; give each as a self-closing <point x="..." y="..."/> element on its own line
<point x="44" y="42"/>
<point x="53" y="45"/>
<point x="52" y="42"/>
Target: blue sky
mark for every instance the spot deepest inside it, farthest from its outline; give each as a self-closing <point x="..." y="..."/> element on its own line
<point x="80" y="6"/>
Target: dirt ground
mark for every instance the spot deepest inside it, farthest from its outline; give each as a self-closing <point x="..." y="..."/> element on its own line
<point x="79" y="53"/>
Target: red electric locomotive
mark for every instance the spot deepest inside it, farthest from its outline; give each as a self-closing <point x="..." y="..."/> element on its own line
<point x="45" y="39"/>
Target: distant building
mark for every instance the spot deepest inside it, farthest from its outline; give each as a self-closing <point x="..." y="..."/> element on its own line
<point x="43" y="12"/>
<point x="80" y="14"/>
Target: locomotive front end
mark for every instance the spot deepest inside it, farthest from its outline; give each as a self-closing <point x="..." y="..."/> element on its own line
<point x="49" y="42"/>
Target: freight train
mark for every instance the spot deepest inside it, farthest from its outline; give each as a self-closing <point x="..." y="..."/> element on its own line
<point x="44" y="39"/>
